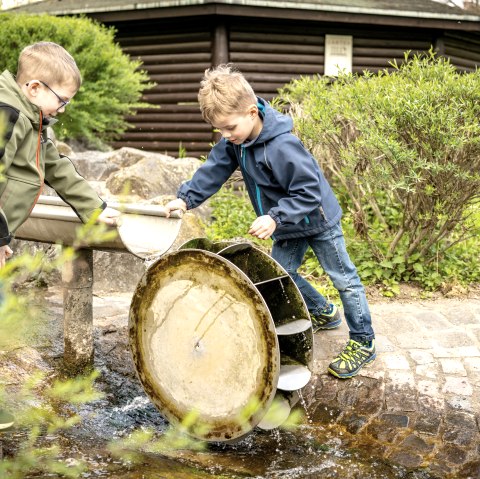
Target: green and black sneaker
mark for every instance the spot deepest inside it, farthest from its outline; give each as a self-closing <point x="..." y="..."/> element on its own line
<point x="354" y="356"/>
<point x="6" y="420"/>
<point x="329" y="318"/>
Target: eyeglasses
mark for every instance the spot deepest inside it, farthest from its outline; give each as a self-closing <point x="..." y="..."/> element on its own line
<point x="62" y="102"/>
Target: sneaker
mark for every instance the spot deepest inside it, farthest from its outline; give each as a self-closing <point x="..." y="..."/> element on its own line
<point x="329" y="318"/>
<point x="6" y="420"/>
<point x="354" y="356"/>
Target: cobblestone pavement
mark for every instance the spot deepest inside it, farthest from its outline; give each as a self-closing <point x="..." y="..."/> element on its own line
<point x="419" y="403"/>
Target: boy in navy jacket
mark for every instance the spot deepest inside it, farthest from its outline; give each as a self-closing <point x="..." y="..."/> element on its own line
<point x="293" y="201"/>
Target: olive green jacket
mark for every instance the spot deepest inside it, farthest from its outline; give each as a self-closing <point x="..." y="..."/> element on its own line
<point x="28" y="160"/>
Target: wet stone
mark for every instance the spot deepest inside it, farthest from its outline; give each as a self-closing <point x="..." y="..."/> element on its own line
<point x="460" y="429"/>
<point x="452" y="455"/>
<point x="380" y="431"/>
<point x="326" y="389"/>
<point x="459" y="403"/>
<point x="395" y="420"/>
<point x="354" y="423"/>
<point x="406" y="459"/>
<point x="401" y="398"/>
<point x="439" y="470"/>
<point x="470" y="470"/>
<point x="428" y="423"/>
<point x="415" y="443"/>
<point x="325" y="414"/>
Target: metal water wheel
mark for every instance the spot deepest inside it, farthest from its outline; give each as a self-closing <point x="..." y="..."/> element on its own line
<point x="221" y="329"/>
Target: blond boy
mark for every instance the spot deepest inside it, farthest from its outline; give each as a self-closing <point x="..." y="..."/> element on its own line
<point x="47" y="79"/>
<point x="294" y="203"/>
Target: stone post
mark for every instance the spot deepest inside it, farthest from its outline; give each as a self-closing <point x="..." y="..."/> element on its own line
<point x="77" y="276"/>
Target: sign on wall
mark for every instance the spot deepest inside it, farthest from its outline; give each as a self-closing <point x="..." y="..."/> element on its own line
<point x="338" y="54"/>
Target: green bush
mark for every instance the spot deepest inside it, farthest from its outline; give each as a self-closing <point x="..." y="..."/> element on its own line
<point x="402" y="150"/>
<point x="112" y="82"/>
<point x="232" y="216"/>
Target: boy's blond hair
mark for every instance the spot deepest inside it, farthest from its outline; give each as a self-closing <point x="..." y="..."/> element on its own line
<point x="48" y="62"/>
<point x="224" y="91"/>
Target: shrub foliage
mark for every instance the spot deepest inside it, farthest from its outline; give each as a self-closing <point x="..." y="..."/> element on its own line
<point x="112" y="82"/>
<point x="402" y="149"/>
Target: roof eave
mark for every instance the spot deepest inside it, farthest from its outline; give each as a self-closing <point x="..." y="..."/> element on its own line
<point x="180" y="8"/>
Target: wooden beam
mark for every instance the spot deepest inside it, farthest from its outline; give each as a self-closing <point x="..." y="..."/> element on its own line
<point x="220" y="52"/>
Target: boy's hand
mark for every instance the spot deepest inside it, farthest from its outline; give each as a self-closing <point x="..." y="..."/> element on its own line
<point x="5" y="253"/>
<point x="110" y="216"/>
<point x="173" y="205"/>
<point x="263" y="227"/>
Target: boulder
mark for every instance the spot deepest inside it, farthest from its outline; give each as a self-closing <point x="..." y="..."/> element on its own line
<point x="151" y="176"/>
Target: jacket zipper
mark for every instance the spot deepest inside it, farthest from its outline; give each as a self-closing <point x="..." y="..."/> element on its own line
<point x="322" y="213"/>
<point x="37" y="161"/>
<point x="257" y="189"/>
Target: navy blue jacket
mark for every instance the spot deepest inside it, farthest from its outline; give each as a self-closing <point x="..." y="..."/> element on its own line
<point x="282" y="178"/>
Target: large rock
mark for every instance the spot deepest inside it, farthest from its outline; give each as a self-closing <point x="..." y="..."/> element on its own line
<point x="149" y="174"/>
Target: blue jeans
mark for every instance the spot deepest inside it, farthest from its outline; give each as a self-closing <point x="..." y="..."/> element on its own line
<point x="329" y="248"/>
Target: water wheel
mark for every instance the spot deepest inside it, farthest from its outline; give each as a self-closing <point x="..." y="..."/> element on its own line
<point x="221" y="330"/>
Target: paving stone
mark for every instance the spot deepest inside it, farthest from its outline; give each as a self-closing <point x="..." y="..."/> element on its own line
<point x="421" y="357"/>
<point x="454" y="339"/>
<point x="326" y="414"/>
<point x="395" y="324"/>
<point x="432" y="321"/>
<point x="472" y="365"/>
<point x="326" y="388"/>
<point x="383" y="344"/>
<point x="460" y="432"/>
<point x="459" y="403"/>
<point x="453" y="366"/>
<point x="452" y="454"/>
<point x="462" y="317"/>
<point x="395" y="361"/>
<point x="427" y="370"/>
<point x="419" y="340"/>
<point x="406" y="459"/>
<point x="395" y="420"/>
<point x="460" y="352"/>
<point x="458" y="386"/>
<point x="428" y="388"/>
<point x="354" y="423"/>
<point x="470" y="470"/>
<point x="415" y="443"/>
<point x="383" y="433"/>
<point x="401" y="378"/>
<point x="432" y="403"/>
<point x="428" y="423"/>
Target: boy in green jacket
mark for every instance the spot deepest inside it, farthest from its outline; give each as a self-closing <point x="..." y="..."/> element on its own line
<point x="47" y="79"/>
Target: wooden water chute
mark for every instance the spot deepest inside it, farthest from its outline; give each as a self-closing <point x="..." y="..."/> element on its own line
<point x="216" y="326"/>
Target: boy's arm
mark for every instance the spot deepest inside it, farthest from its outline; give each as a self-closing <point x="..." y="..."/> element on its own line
<point x="210" y="177"/>
<point x="74" y="189"/>
<point x="298" y="174"/>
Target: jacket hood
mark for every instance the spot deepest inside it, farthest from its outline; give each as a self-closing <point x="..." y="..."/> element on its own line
<point x="274" y="122"/>
<point x="12" y="94"/>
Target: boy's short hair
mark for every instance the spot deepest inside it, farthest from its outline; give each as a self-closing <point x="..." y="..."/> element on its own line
<point x="48" y="62"/>
<point x="224" y="91"/>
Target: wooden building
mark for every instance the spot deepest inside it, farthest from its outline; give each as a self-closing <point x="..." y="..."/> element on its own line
<point x="270" y="41"/>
